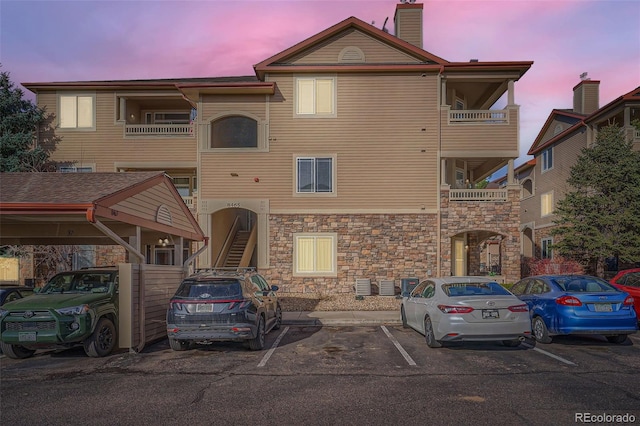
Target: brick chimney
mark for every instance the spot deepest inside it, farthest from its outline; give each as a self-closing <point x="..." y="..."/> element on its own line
<point x="408" y="22"/>
<point x="586" y="96"/>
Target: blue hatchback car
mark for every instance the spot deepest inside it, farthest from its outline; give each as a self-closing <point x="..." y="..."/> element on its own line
<point x="576" y="304"/>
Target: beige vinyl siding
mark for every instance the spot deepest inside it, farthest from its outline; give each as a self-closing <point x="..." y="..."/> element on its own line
<point x="375" y="51"/>
<point x="410" y="29"/>
<point x="107" y="145"/>
<point x="463" y="137"/>
<point x="143" y="205"/>
<point x="565" y="155"/>
<point x="377" y="139"/>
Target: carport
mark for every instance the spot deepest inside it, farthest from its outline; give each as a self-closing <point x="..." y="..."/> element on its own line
<point x="133" y="210"/>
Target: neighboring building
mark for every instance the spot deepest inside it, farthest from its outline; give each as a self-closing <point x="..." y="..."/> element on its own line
<point x="352" y="154"/>
<point x="557" y="148"/>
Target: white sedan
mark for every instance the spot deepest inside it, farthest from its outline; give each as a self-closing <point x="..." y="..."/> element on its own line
<point x="465" y="309"/>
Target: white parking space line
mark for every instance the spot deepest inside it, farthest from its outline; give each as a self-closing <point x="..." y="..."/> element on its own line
<point x="549" y="354"/>
<point x="270" y="352"/>
<point x="395" y="342"/>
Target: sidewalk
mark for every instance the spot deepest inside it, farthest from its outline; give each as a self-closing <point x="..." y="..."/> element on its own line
<point x="362" y="318"/>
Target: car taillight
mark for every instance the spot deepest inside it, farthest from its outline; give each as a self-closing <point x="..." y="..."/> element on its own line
<point x="568" y="301"/>
<point x="176" y="306"/>
<point x="241" y="304"/>
<point x="629" y="301"/>
<point x="518" y="308"/>
<point x="455" y="309"/>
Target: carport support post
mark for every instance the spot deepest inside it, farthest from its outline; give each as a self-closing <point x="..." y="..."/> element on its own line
<point x="125" y="305"/>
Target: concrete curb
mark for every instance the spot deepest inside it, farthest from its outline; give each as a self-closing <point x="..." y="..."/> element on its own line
<point x="341" y="318"/>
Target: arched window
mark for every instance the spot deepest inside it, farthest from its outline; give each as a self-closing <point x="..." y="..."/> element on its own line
<point x="234" y="131"/>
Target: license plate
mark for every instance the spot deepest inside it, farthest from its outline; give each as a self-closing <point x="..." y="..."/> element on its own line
<point x="204" y="307"/>
<point x="603" y="307"/>
<point x="25" y="336"/>
<point x="490" y="313"/>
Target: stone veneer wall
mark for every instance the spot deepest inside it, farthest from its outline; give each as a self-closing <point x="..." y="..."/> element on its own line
<point x="374" y="246"/>
<point x="500" y="217"/>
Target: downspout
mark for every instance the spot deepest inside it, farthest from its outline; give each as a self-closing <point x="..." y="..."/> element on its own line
<point x="439" y="174"/>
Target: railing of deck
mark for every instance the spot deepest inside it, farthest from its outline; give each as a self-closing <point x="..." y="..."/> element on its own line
<point x="180" y="130"/>
<point x="478" y="195"/>
<point x="479" y="116"/>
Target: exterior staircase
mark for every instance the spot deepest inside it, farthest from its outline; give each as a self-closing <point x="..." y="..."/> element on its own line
<point x="237" y="250"/>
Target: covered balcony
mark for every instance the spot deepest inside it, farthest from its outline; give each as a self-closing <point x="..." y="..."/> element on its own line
<point x="161" y="115"/>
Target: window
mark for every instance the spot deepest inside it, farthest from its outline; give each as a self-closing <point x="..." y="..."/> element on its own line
<point x="315" y="97"/>
<point x="314" y="175"/>
<point x="546" y="204"/>
<point x="315" y="254"/>
<point x="77" y="112"/>
<point x="547" y="159"/>
<point x="234" y="132"/>
<point x="171" y="118"/>
<point x="546" y="248"/>
<point x="73" y="169"/>
<point x="185" y="185"/>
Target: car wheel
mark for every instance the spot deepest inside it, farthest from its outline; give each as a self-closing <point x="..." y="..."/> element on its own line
<point x="278" y="323"/>
<point x="16" y="351"/>
<point x="102" y="341"/>
<point x="540" y="331"/>
<point x="404" y="318"/>
<point x="257" y="343"/>
<point x="428" y="334"/>
<point x="178" y="345"/>
<point x="617" y="338"/>
<point x="511" y="343"/>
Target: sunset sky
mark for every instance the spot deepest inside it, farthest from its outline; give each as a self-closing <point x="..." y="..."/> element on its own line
<point x="52" y="41"/>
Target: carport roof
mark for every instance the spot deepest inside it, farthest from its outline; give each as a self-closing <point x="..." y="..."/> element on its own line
<point x="60" y="208"/>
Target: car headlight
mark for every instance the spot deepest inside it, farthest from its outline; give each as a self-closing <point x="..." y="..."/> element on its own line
<point x="73" y="310"/>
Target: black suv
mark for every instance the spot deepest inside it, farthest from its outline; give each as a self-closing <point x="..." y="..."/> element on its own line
<point x="215" y="305"/>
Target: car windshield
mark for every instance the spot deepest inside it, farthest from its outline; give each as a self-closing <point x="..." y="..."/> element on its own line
<point x="574" y="284"/>
<point x="474" y="289"/>
<point x="79" y="282"/>
<point x="219" y="289"/>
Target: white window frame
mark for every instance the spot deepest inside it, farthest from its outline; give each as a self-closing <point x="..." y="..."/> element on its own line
<point x="546" y="204"/>
<point x="545" y="251"/>
<point x="315" y="193"/>
<point x="76" y="169"/>
<point x="312" y="84"/>
<point x="71" y="123"/>
<point x="314" y="271"/>
<point x="547" y="159"/>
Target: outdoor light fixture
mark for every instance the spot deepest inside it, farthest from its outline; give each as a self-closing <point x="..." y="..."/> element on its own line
<point x="164" y="242"/>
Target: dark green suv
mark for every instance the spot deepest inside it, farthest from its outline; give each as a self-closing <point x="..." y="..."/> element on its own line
<point x="73" y="308"/>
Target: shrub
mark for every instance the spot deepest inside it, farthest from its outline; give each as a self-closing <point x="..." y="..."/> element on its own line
<point x="554" y="266"/>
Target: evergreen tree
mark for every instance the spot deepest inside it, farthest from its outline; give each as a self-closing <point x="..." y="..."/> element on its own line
<point x="20" y="120"/>
<point x="600" y="217"/>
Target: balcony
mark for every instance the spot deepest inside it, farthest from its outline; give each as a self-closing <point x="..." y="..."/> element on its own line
<point x="491" y="130"/>
<point x="478" y="195"/>
<point x="158" y="130"/>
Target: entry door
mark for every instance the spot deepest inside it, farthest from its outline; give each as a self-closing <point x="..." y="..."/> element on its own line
<point x="459" y="258"/>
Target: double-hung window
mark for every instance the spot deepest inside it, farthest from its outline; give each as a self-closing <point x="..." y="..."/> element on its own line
<point x="547" y="159"/>
<point x="77" y="111"/>
<point x="546" y="204"/>
<point x="315" y="254"/>
<point x="314" y="175"/>
<point x="315" y="97"/>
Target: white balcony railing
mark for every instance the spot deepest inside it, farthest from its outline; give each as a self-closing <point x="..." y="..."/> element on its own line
<point x="479" y="116"/>
<point x="172" y="130"/>
<point x="478" y="195"/>
<point x="189" y="201"/>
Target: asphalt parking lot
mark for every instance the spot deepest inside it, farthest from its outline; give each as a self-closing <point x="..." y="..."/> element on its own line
<point x="328" y="375"/>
